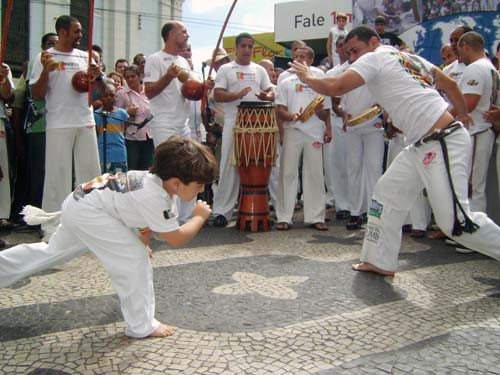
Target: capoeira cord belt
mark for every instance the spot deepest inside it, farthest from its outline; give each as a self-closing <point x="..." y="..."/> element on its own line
<point x="467" y="225"/>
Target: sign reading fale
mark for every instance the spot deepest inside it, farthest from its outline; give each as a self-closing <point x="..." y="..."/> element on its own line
<point x="311" y="19"/>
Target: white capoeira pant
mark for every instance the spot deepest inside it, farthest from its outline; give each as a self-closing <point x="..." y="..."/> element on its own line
<point x="161" y="134"/>
<point x="63" y="147"/>
<point x="117" y="246"/>
<point x="339" y="168"/>
<point x="364" y="161"/>
<point x="482" y="147"/>
<point x="273" y="185"/>
<point x="229" y="179"/>
<point x="296" y="142"/>
<point x="329" y="162"/>
<point x="413" y="169"/>
<point x="420" y="213"/>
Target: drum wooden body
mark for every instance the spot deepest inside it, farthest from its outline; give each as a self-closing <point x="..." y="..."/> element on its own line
<point x="255" y="145"/>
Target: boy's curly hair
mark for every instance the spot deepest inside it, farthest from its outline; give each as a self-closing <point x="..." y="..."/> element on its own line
<point x="185" y="159"/>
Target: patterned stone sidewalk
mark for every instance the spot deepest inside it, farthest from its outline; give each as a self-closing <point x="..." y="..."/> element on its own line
<point x="265" y="303"/>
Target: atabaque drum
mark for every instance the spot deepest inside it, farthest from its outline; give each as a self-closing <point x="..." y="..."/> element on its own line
<point x="255" y="146"/>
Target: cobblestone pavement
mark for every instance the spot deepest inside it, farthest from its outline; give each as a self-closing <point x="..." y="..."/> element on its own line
<point x="263" y="303"/>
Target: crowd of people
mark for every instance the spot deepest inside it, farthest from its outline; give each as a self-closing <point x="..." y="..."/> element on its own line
<point x="440" y="127"/>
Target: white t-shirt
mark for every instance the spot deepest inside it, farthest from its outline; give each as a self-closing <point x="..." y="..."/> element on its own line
<point x="454" y="70"/>
<point x="137" y="198"/>
<point x="356" y="101"/>
<point x="66" y="107"/>
<point x="170" y="109"/>
<point x="295" y="95"/>
<point x="335" y="71"/>
<point x="402" y="84"/>
<point x="480" y="78"/>
<point x="336" y="32"/>
<point x="233" y="77"/>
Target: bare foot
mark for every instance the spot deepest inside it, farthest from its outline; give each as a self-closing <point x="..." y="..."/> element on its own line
<point x="163" y="331"/>
<point x="368" y="267"/>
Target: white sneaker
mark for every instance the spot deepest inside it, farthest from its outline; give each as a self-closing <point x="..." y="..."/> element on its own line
<point x="451" y="242"/>
<point x="464" y="250"/>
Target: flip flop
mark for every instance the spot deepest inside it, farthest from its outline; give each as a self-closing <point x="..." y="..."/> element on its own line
<point x="282" y="226"/>
<point x="319" y="226"/>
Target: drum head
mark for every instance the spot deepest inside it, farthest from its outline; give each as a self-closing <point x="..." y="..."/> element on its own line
<point x="256" y="105"/>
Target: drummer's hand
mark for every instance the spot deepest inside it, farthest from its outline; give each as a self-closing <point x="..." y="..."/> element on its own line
<point x="45" y="57"/>
<point x="243" y="92"/>
<point x="297" y="115"/>
<point x="301" y="69"/>
<point x="265" y="96"/>
<point x="328" y="135"/>
<point x="465" y="119"/>
<point x="493" y="115"/>
<point x="209" y="83"/>
<point x="346" y="116"/>
<point x="172" y="71"/>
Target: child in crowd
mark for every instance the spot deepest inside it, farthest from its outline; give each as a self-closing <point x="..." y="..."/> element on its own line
<point x="99" y="216"/>
<point x="110" y="126"/>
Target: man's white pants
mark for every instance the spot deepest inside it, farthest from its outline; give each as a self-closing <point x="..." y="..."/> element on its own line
<point x="294" y="143"/>
<point x="229" y="179"/>
<point x="420" y="213"/>
<point x="161" y="134"/>
<point x="483" y="148"/>
<point x="118" y="247"/>
<point x="65" y="146"/>
<point x="339" y="168"/>
<point x="364" y="160"/>
<point x="274" y="179"/>
<point x="413" y="169"/>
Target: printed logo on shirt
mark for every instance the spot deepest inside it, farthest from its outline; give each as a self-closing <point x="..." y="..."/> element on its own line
<point x="167" y="214"/>
<point x="428" y="158"/>
<point x="372" y="233"/>
<point x="415" y="68"/>
<point x="472" y="82"/>
<point x="62" y="66"/>
<point x="317" y="144"/>
<point x="245" y="76"/>
<point x="300" y="87"/>
<point x="375" y="209"/>
<point x="119" y="182"/>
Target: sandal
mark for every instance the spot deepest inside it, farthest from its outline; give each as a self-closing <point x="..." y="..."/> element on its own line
<point x="282" y="226"/>
<point x="319" y="226"/>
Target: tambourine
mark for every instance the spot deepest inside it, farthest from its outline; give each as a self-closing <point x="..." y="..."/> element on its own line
<point x="364" y="116"/>
<point x="309" y="111"/>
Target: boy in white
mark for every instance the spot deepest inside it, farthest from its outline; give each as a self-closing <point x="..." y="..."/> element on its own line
<point x="169" y="107"/>
<point x="237" y="81"/>
<point x="479" y="84"/>
<point x="302" y="137"/>
<point x="364" y="152"/>
<point x="71" y="134"/>
<point x="101" y="214"/>
<point x="438" y="161"/>
<point x="339" y="30"/>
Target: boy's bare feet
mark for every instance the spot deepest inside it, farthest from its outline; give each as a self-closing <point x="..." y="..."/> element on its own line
<point x="163" y="331"/>
<point x="368" y="267"/>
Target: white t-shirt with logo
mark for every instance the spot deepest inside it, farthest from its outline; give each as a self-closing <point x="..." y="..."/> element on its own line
<point x="234" y="77"/>
<point x="454" y="70"/>
<point x="402" y="84"/>
<point x="296" y="95"/>
<point x="480" y="78"/>
<point x="66" y="107"/>
<point x="169" y="108"/>
<point x="137" y="198"/>
<point x="356" y="101"/>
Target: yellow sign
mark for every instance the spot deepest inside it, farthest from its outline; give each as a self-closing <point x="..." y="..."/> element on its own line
<point x="264" y="47"/>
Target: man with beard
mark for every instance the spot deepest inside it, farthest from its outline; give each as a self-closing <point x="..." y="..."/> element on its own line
<point x="70" y="126"/>
<point x="436" y="159"/>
